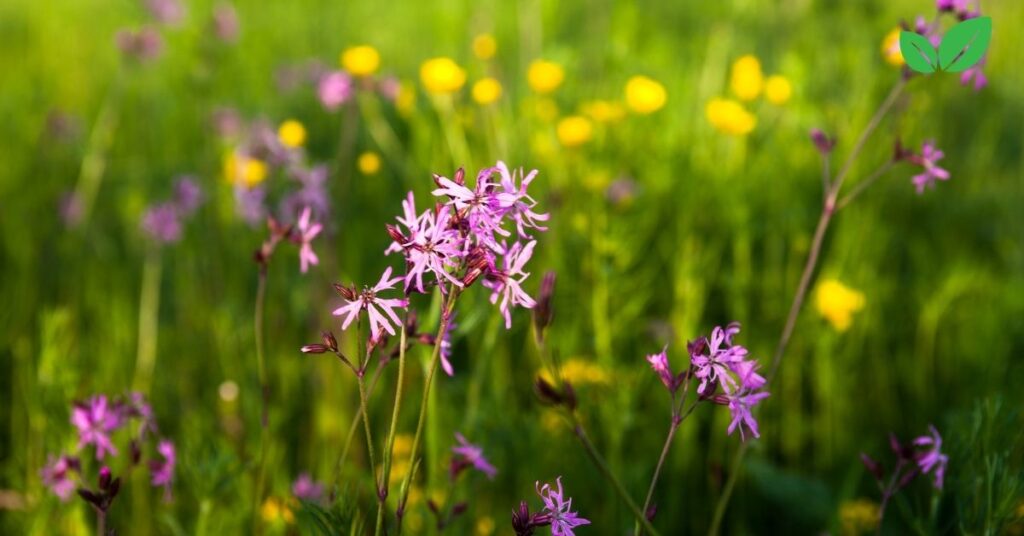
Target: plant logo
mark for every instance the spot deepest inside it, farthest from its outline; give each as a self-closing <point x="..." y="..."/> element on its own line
<point x="963" y="46"/>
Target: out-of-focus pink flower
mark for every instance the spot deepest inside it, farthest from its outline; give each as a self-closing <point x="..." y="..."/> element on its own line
<point x="307" y="232"/>
<point x="143" y="44"/>
<point x="169" y="12"/>
<point x="932" y="172"/>
<point x="334" y="89"/>
<point x="225" y="23"/>
<point x="932" y="459"/>
<point x="307" y="489"/>
<point x="977" y="74"/>
<point x="739" y="405"/>
<point x="659" y="362"/>
<point x="162" y="223"/>
<point x="56" y="475"/>
<point x="95" y="420"/>
<point x="163" y="470"/>
<point x="559" y="510"/>
<point x="473" y="455"/>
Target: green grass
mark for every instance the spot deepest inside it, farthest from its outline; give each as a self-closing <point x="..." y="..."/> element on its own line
<point x="718" y="231"/>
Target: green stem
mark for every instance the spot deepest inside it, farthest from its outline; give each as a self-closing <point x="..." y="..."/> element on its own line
<point x="90" y="175"/>
<point x="382" y="486"/>
<point x="435" y="356"/>
<point x="355" y="426"/>
<point x="261" y="292"/>
<point x="366" y="422"/>
<point x="606" y="472"/>
<point x="149" y="306"/>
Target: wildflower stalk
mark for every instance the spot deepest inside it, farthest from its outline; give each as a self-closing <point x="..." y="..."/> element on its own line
<point x="435" y="358"/>
<point x="385" y="477"/>
<point x="100" y="139"/>
<point x="361" y="380"/>
<point x="101" y="522"/>
<point x="864" y="184"/>
<point x="828" y="211"/>
<point x="261" y="291"/>
<point x="595" y="457"/>
<point x="355" y="426"/>
<point x="677" y="420"/>
<point x="149" y="305"/>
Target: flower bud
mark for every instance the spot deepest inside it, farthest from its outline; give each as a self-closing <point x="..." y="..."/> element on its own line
<point x="349" y="293"/>
<point x="329" y="341"/>
<point x="822" y="142"/>
<point x="544" y="310"/>
<point x="873" y="467"/>
<point x="104" y="478"/>
<point x="314" y="349"/>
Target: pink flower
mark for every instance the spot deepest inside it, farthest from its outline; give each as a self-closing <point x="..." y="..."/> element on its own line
<point x="480" y="206"/>
<point x="927" y="159"/>
<point x="307" y="489"/>
<point x="334" y="89"/>
<point x="977" y="74"/>
<point x="225" y="23"/>
<point x="374" y="305"/>
<point x="435" y="248"/>
<point x="474" y="456"/>
<point x="446" y="346"/>
<point x="56" y="475"/>
<point x="659" y="362"/>
<point x="933" y="458"/>
<point x="516" y="202"/>
<point x="95" y="420"/>
<point x="307" y="232"/>
<point x="559" y="510"/>
<point x="507" y="282"/>
<point x="715" y="365"/>
<point x="739" y="405"/>
<point x="163" y="471"/>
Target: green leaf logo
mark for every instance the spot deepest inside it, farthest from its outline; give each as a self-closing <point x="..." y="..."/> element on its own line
<point x="962" y="47"/>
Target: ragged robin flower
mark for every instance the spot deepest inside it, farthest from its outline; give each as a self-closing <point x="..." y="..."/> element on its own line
<point x="379" y="310"/>
<point x="930" y="154"/>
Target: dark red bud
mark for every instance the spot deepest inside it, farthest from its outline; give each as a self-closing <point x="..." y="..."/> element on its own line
<point x="314" y="349"/>
<point x="396" y="234"/>
<point x="329" y="341"/>
<point x="460" y="176"/>
<point x="821" y="141"/>
<point x="349" y="293"/>
<point x="104" y="478"/>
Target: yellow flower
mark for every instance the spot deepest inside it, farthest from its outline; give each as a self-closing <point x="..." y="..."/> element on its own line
<point x="292" y="133"/>
<point x="891" y="48"/>
<point x="362" y="60"/>
<point x="273" y="511"/>
<point x="405" y="102"/>
<point x="859" y="516"/>
<point x="484" y="46"/>
<point x="545" y="76"/>
<point x="485" y="526"/>
<point x="239" y="168"/>
<point x="777" y="90"/>
<point x="730" y="117"/>
<point x="837" y="303"/>
<point x="645" y="95"/>
<point x="574" y="131"/>
<point x="578" y="372"/>
<point x="486" y="90"/>
<point x="368" y="163"/>
<point x="746" y="79"/>
<point x="602" y="111"/>
<point x="442" y="76"/>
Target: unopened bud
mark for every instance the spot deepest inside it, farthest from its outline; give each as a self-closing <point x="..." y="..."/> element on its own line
<point x="349" y="293"/>
<point x="873" y="467"/>
<point x="104" y="478"/>
<point x="396" y="234"/>
<point x="544" y="311"/>
<point x="460" y="176"/>
<point x="329" y="341"/>
<point x="821" y="141"/>
<point x="314" y="349"/>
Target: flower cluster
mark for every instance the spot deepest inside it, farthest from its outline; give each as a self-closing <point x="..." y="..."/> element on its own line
<point x="97" y="421"/>
<point x="162" y="222"/>
<point x="922" y="456"/>
<point x="747" y="82"/>
<point x="465" y="456"/>
<point x="717" y="362"/>
<point x="557" y="513"/>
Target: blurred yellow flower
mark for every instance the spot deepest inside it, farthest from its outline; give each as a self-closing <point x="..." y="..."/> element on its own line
<point x="580" y="371"/>
<point x="545" y="76"/>
<point x="574" y="131"/>
<point x="730" y="117"/>
<point x="837" y="303"/>
<point x="891" y="48"/>
<point x="485" y="526"/>
<point x="777" y="89"/>
<point x="273" y="511"/>
<point x="403" y="444"/>
<point x="368" y="163"/>
<point x="746" y="79"/>
<point x="645" y="95"/>
<point x="484" y="46"/>
<point x="859" y="516"/>
<point x="362" y="60"/>
<point x="442" y="76"/>
<point x="242" y="169"/>
<point x="291" y="133"/>
<point x="602" y="111"/>
<point x="405" y="101"/>
<point x="486" y="90"/>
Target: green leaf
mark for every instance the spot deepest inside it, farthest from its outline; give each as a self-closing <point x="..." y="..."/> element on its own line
<point x="918" y="52"/>
<point x="965" y="44"/>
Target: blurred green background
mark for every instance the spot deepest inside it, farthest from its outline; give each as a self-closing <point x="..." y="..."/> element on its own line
<point x="716" y="229"/>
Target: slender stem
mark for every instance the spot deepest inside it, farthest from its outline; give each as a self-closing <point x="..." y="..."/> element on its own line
<point x="864" y="185"/>
<point x="887" y="494"/>
<point x="448" y="307"/>
<point x="261" y="292"/>
<point x="101" y="522"/>
<point x="382" y="486"/>
<point x="828" y="210"/>
<point x="826" y="161"/>
<point x="657" y="469"/>
<point x="361" y="380"/>
<point x="149" y="306"/>
<point x="355" y="426"/>
<point x="591" y="451"/>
